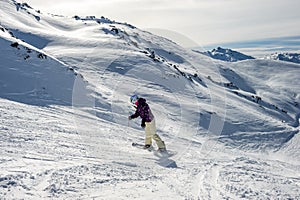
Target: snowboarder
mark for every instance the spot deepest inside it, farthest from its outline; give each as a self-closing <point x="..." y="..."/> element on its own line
<point x="148" y="123"/>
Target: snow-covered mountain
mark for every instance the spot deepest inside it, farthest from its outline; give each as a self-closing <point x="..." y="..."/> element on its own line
<point x="228" y="55"/>
<point x="289" y="57"/>
<point x="64" y="103"/>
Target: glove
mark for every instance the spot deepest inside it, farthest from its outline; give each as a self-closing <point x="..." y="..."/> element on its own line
<point x="143" y="125"/>
<point x="129" y="118"/>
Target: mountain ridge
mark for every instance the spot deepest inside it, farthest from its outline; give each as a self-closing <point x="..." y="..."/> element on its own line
<point x="228" y="55"/>
<point x="288" y="57"/>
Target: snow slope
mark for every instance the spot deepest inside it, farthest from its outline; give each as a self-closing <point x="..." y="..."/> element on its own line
<point x="226" y="55"/>
<point x="65" y="85"/>
<point x="29" y="75"/>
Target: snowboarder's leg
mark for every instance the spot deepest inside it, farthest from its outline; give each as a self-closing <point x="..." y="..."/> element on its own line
<point x="149" y="134"/>
<point x="158" y="140"/>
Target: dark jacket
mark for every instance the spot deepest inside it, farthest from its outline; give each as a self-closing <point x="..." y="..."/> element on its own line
<point x="143" y="110"/>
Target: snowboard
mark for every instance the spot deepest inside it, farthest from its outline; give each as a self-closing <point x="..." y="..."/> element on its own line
<point x="141" y="146"/>
<point x="161" y="154"/>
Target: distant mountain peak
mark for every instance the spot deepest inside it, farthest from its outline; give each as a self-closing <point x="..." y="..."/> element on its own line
<point x="289" y="57"/>
<point x="228" y="55"/>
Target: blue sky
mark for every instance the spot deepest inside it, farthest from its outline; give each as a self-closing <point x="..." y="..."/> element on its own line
<point x="202" y="22"/>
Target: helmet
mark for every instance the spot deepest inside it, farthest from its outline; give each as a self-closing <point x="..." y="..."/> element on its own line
<point x="134" y="98"/>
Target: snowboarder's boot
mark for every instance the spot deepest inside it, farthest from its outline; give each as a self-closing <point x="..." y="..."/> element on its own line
<point x="162" y="150"/>
<point x="147" y="146"/>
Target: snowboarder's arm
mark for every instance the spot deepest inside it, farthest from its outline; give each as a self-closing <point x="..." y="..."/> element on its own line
<point x="143" y="125"/>
<point x="135" y="115"/>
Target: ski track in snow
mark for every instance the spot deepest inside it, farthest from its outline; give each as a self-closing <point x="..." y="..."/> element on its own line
<point x="56" y="162"/>
<point x="64" y="132"/>
<point x="63" y="163"/>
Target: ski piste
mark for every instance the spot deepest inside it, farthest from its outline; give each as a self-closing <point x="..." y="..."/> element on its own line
<point x="161" y="154"/>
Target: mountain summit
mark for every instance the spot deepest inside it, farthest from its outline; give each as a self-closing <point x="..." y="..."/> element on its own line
<point x="228" y="55"/>
<point x="289" y="57"/>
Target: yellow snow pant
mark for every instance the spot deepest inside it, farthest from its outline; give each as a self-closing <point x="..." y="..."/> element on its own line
<point x="150" y="130"/>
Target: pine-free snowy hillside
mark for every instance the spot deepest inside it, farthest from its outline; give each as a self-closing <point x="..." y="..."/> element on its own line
<point x="64" y="104"/>
<point x="30" y="76"/>
<point x="226" y="55"/>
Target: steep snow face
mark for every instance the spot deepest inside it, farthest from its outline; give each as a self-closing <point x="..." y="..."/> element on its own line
<point x="289" y="57"/>
<point x="64" y="103"/>
<point x="31" y="76"/>
<point x="226" y="55"/>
